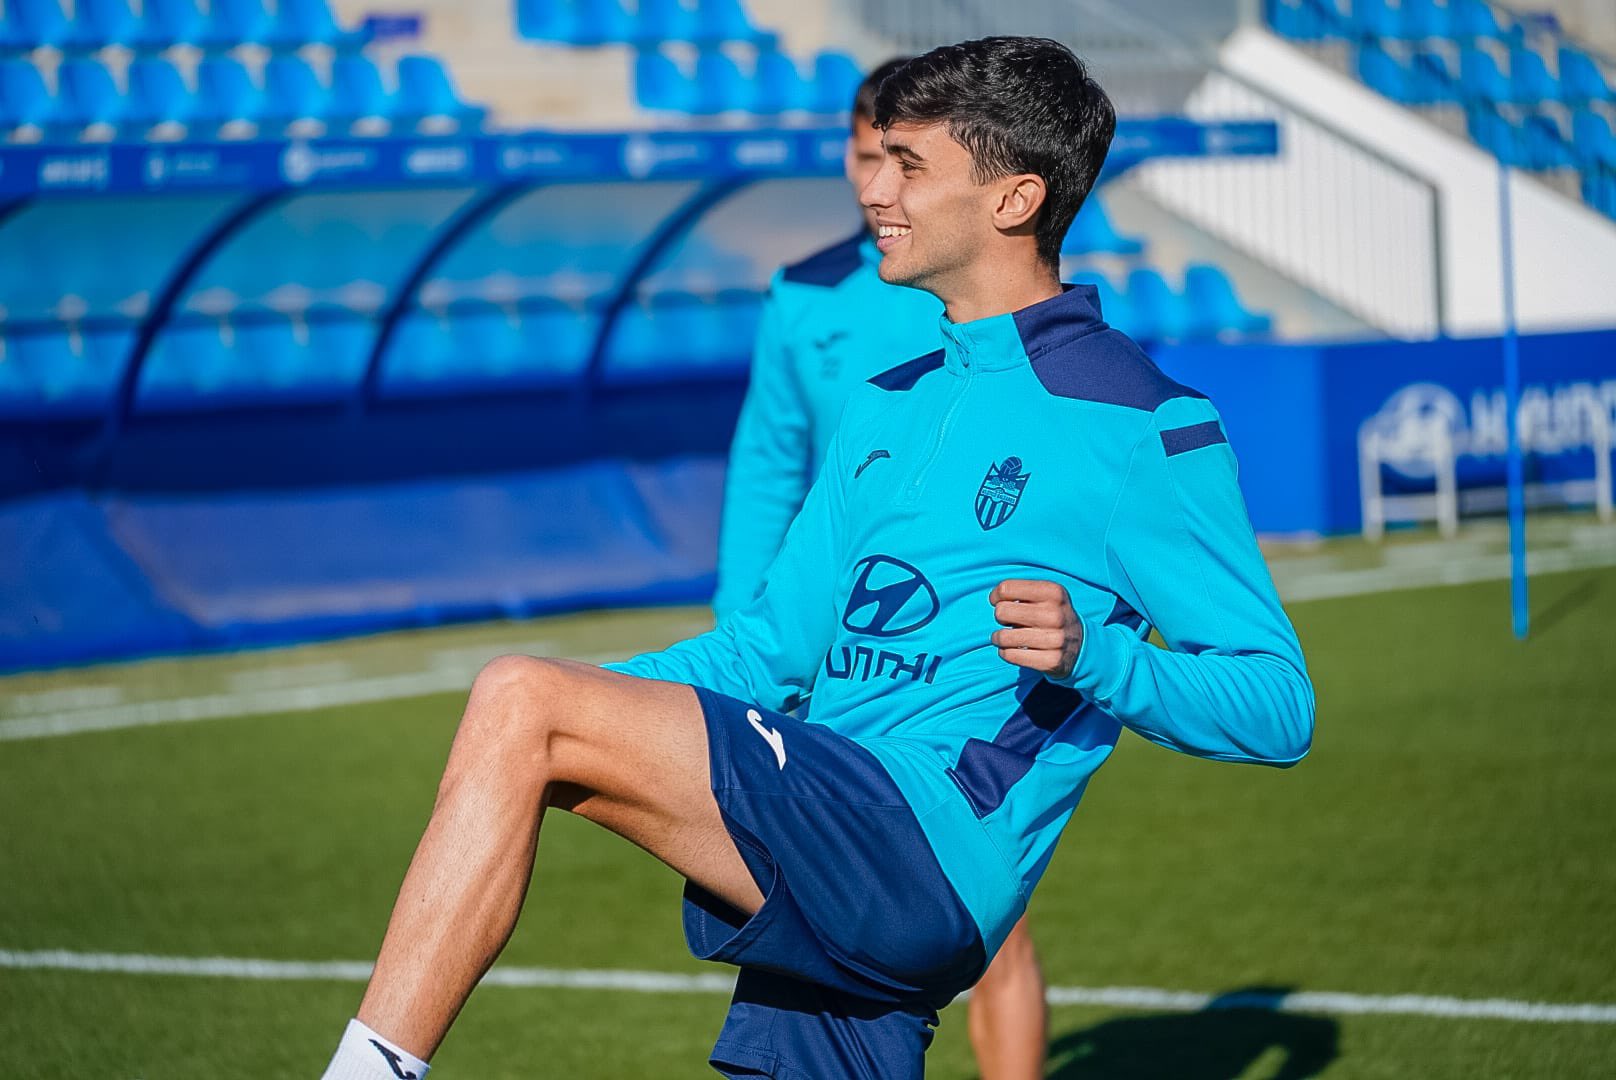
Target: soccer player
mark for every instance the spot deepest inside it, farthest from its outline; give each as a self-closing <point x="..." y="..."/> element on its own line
<point x="967" y="592"/>
<point x="829" y="324"/>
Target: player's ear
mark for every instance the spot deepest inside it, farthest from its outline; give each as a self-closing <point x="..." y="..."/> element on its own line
<point x="1020" y="199"/>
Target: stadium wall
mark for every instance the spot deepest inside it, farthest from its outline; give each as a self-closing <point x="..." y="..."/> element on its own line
<point x="256" y="528"/>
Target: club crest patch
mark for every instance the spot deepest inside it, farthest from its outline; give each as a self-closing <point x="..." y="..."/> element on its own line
<point x="1000" y="493"/>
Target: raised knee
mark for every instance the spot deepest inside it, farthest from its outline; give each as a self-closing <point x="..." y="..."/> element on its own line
<point x="512" y="703"/>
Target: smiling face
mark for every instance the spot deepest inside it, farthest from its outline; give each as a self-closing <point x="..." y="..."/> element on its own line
<point x="933" y="220"/>
<point x="863" y="160"/>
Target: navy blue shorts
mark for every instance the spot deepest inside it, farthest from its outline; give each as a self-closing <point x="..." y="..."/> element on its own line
<point x="860" y="939"/>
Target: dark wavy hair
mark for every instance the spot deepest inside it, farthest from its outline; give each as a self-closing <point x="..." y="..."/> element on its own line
<point x="1018" y="105"/>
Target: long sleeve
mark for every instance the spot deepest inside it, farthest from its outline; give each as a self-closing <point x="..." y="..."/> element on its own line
<point x="770" y="650"/>
<point x="1232" y="684"/>
<point x="770" y="467"/>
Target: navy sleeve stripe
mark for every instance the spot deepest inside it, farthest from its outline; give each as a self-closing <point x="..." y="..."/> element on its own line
<point x="1183" y="440"/>
<point x="904" y="376"/>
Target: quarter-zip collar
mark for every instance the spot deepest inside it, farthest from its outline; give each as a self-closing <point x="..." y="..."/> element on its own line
<point x="1001" y="342"/>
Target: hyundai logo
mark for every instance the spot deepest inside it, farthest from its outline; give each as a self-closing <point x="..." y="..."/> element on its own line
<point x="889" y="598"/>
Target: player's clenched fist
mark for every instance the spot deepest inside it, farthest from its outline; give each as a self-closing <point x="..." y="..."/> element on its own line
<point x="1041" y="631"/>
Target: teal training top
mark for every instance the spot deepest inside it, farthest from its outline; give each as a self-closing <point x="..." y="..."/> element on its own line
<point x="1040" y="444"/>
<point x="828" y="324"/>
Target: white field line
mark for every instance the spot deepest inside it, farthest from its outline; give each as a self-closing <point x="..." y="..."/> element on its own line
<point x="654" y="982"/>
<point x="1333" y="584"/>
<point x="447" y="672"/>
<point x="451" y="670"/>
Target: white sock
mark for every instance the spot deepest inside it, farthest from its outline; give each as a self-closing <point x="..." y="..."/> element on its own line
<point x="364" y="1055"/>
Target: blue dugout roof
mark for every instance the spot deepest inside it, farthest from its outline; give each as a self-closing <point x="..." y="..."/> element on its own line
<point x="149" y="277"/>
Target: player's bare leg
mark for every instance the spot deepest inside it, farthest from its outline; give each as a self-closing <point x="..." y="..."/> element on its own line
<point x="1008" y="1019"/>
<point x="630" y="754"/>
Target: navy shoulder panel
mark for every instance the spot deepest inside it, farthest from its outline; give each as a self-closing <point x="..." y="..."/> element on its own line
<point x="827" y="268"/>
<point x="905" y="375"/>
<point x="1106" y="367"/>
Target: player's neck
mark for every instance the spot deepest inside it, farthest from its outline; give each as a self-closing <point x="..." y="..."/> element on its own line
<point x="998" y="288"/>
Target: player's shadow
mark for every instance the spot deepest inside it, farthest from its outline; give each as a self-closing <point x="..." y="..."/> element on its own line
<point x="1238" y="1036"/>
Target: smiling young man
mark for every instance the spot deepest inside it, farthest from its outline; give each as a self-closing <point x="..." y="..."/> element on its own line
<point x="966" y="592"/>
<point x="830" y="324"/>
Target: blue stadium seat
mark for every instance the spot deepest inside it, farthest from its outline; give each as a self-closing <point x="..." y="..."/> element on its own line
<point x="86" y="96"/>
<point x="309" y="22"/>
<point x="1581" y="79"/>
<point x="1305" y="20"/>
<point x="420" y="355"/>
<point x="99" y="23"/>
<point x="664" y="20"/>
<point x="1377" y="19"/>
<point x="1599" y="191"/>
<point x="599" y="22"/>
<point x="1212" y="306"/>
<point x="720" y="86"/>
<point x="167" y="22"/>
<point x="25" y="102"/>
<point x="225" y="93"/>
<point x="157" y="94"/>
<point x="1092" y="231"/>
<point x="1427" y="20"/>
<point x="556" y="340"/>
<point x="836" y="80"/>
<point x="357" y="92"/>
<point x="1493" y="133"/>
<point x="1529" y="78"/>
<point x="63" y="371"/>
<point x="1593" y="140"/>
<point x="339" y="343"/>
<point x="726" y="20"/>
<point x="235" y="22"/>
<point x="1544" y="143"/>
<point x="36" y="22"/>
<point x="778" y="84"/>
<point x="189" y="362"/>
<point x="542" y="20"/>
<point x="1159" y="310"/>
<point x="268" y="356"/>
<point x="293" y="93"/>
<point x="425" y="91"/>
<point x="1479" y="77"/>
<point x="1379" y="70"/>
<point x="487" y="339"/>
<point x="1430" y="79"/>
<point x="1473" y="20"/>
<point x="660" y="84"/>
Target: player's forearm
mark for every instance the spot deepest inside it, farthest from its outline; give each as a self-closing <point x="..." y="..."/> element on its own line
<point x="750" y="536"/>
<point x="1249" y="707"/>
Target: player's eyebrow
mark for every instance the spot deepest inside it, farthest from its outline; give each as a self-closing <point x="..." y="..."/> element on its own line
<point x="904" y="150"/>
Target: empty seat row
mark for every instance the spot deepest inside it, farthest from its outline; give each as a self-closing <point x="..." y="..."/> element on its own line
<point x="1422" y="75"/>
<point x="225" y="98"/>
<point x="160" y="24"/>
<point x="648" y="22"/>
<point x="543" y="342"/>
<point x="1150" y="309"/>
<point x="47" y="370"/>
<point x="1324" y="20"/>
<point x="772" y="84"/>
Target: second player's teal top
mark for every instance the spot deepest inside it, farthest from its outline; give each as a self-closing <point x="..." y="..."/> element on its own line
<point x="829" y="323"/>
<point x="1041" y="444"/>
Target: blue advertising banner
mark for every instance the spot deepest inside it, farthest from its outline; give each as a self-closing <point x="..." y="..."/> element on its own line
<point x="1295" y="415"/>
<point x="145" y="167"/>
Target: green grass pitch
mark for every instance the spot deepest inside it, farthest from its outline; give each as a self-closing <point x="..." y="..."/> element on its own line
<point x="1453" y="833"/>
